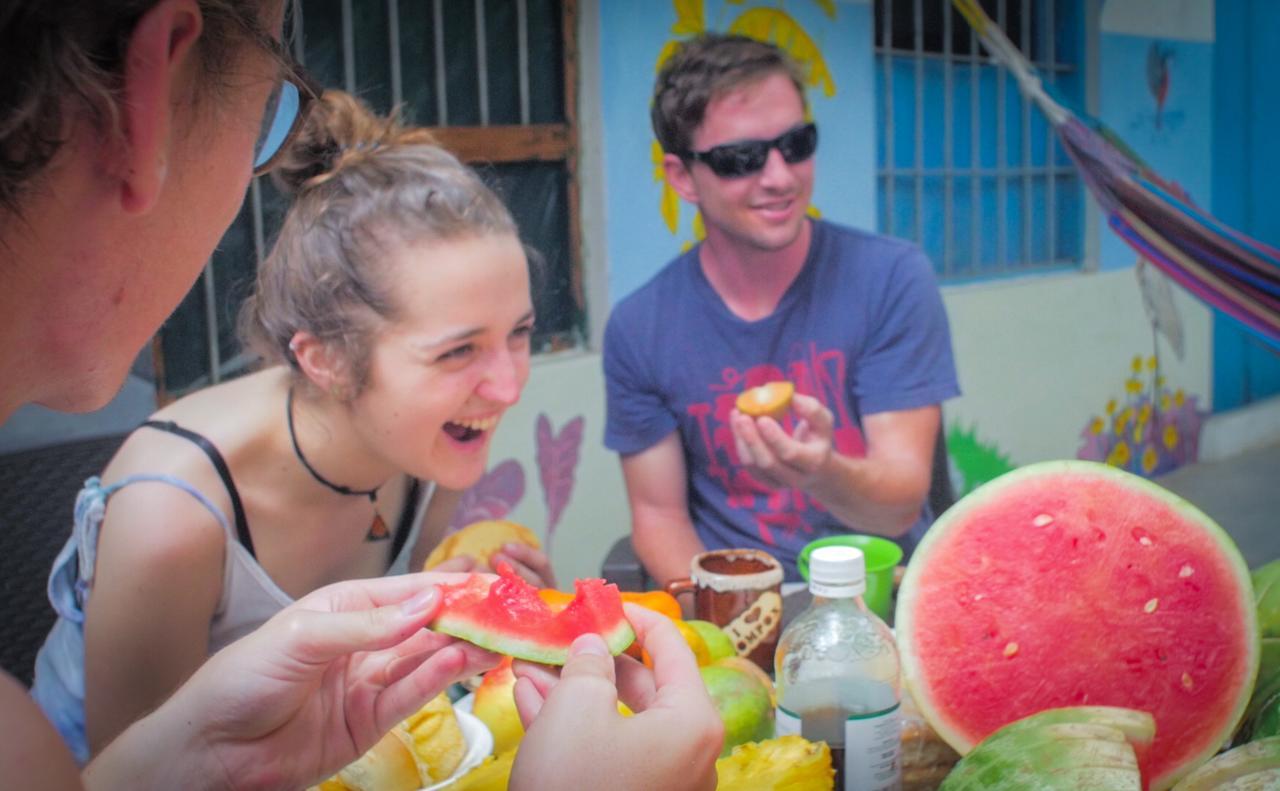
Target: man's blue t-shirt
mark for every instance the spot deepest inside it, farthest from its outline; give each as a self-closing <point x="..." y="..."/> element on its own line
<point x="862" y="329"/>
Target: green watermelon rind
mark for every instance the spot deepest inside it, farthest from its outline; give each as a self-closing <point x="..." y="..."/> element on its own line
<point x="1072" y="748"/>
<point x="617" y="639"/>
<point x="1235" y="764"/>
<point x="912" y="671"/>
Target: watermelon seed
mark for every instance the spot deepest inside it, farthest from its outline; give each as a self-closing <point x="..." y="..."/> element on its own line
<point x="1186" y="680"/>
<point x="1150" y="606"/>
<point x="1043" y="520"/>
<point x="1010" y="649"/>
<point x="1186" y="571"/>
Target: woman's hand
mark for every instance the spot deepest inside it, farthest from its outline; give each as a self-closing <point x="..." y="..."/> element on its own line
<point x="531" y="564"/>
<point x="305" y="694"/>
<point x="576" y="737"/>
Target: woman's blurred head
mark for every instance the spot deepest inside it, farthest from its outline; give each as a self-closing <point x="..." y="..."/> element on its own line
<point x="71" y="59"/>
<point x="127" y="139"/>
<point x="397" y="287"/>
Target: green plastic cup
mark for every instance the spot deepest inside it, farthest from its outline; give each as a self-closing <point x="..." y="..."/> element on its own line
<point x="882" y="556"/>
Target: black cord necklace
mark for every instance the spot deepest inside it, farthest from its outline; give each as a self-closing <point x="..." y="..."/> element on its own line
<point x="378" y="530"/>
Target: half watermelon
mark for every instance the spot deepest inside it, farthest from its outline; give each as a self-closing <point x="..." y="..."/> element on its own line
<point x="1071" y="583"/>
<point x="506" y="615"/>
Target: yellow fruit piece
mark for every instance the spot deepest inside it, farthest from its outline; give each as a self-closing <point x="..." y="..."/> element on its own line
<point x="480" y="540"/>
<point x="787" y="762"/>
<point x="492" y="775"/>
<point x="768" y="400"/>
<point x="719" y="643"/>
<point x="387" y="766"/>
<point x="435" y="739"/>
<point x="696" y="644"/>
<point x="495" y="706"/>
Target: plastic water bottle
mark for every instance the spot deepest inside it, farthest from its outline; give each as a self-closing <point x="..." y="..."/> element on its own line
<point x="837" y="676"/>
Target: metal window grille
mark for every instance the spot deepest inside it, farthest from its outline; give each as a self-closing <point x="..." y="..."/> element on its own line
<point x="493" y="79"/>
<point x="966" y="167"/>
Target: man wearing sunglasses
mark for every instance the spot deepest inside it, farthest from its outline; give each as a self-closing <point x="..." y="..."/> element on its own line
<point x="853" y="319"/>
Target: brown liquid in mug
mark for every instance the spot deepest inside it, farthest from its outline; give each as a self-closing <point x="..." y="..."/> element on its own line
<point x="728" y="564"/>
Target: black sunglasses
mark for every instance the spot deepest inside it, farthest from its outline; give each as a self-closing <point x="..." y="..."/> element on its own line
<point x="286" y="110"/>
<point x="735" y="160"/>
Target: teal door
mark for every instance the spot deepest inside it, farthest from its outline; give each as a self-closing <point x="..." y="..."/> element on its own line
<point x="1246" y="177"/>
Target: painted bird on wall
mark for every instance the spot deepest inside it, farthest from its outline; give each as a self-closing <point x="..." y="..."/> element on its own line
<point x="1158" y="59"/>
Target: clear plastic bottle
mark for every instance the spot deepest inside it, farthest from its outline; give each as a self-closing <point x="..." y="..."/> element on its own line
<point x="838" y="677"/>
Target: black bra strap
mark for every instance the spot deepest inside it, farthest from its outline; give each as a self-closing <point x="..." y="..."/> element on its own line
<point x="406" y="519"/>
<point x="224" y="472"/>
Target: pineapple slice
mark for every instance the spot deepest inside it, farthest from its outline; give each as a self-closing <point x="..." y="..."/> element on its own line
<point x="787" y="762"/>
<point x="492" y="775"/>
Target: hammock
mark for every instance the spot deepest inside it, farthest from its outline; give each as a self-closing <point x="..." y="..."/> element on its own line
<point x="1223" y="268"/>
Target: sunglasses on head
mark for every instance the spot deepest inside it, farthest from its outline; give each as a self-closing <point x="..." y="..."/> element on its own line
<point x="285" y="112"/>
<point x="734" y="160"/>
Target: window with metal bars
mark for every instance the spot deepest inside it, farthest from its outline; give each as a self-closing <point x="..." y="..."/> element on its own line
<point x="966" y="166"/>
<point x="494" y="79"/>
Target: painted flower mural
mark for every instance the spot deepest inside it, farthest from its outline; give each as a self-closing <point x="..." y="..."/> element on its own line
<point x="1150" y="429"/>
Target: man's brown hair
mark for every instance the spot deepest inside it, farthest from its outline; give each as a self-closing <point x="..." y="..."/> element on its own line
<point x="706" y="68"/>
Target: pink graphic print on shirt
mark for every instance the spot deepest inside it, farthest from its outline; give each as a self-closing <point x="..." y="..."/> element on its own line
<point x="820" y="374"/>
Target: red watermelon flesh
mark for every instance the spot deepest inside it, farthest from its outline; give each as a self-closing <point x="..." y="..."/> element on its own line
<point x="1073" y="583"/>
<point x="506" y="615"/>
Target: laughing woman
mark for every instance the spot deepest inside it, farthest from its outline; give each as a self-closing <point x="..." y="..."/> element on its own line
<point x="394" y="315"/>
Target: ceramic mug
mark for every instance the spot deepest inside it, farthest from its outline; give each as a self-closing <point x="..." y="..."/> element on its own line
<point x="738" y="590"/>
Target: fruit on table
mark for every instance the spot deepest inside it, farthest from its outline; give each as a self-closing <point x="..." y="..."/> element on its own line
<point x="480" y="540"/>
<point x="495" y="706"/>
<point x="1065" y="583"/>
<point x="435" y="739"/>
<point x="787" y="762"/>
<point x="768" y="400"/>
<point x="422" y="750"/>
<point x="1251" y="767"/>
<point x="742" y="702"/>
<point x="693" y="638"/>
<point x="751" y="669"/>
<point x="658" y="601"/>
<point x="508" y="616"/>
<point x="1266" y="690"/>
<point x="493" y="774"/>
<point x="719" y="645"/>
<point x="1068" y="749"/>
<point x="1267" y="721"/>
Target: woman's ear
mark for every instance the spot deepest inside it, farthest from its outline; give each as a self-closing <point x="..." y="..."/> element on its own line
<point x="679" y="177"/>
<point x="321" y="364"/>
<point x="158" y="75"/>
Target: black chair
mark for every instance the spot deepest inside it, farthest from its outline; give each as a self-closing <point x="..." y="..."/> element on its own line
<point x="37" y="499"/>
<point x="621" y="566"/>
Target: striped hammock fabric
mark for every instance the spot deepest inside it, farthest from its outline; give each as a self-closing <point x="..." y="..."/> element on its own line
<point x="1222" y="267"/>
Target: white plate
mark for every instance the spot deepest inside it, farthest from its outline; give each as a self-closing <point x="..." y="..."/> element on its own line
<point x="479" y="744"/>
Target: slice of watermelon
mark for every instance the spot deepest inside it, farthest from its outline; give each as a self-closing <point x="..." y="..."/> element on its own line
<point x="507" y="616"/>
<point x="1072" y="583"/>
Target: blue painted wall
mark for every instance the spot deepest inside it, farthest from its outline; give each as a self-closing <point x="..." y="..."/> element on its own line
<point x="1180" y="147"/>
<point x="1246" y="163"/>
<point x="633" y="34"/>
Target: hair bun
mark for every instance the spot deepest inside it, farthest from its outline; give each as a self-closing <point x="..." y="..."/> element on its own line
<point x="340" y="131"/>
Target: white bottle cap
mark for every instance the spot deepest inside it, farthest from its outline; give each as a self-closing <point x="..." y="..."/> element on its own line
<point x="837" y="572"/>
